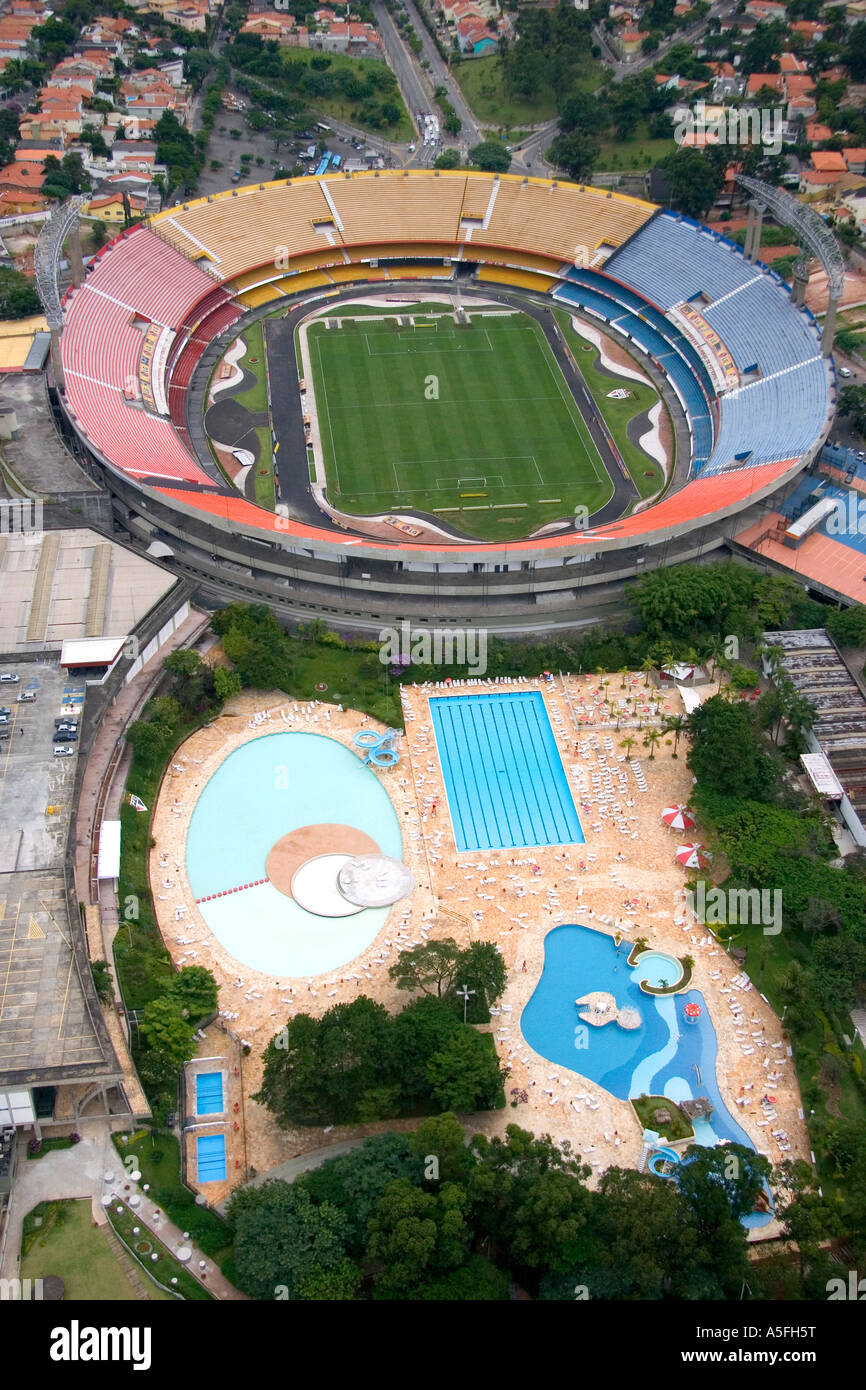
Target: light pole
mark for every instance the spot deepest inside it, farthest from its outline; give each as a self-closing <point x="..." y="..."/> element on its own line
<point x="464" y="994"/>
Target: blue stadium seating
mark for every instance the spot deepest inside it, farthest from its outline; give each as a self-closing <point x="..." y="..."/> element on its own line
<point x="760" y="326"/>
<point x="672" y="259"/>
<point x="778" y="418"/>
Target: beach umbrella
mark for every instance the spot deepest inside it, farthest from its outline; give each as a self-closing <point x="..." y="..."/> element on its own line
<point x="693" y="857"/>
<point x="692" y="1012"/>
<point x="678" y="818"/>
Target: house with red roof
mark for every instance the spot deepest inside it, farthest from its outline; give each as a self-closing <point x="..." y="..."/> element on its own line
<point x="758" y="80"/>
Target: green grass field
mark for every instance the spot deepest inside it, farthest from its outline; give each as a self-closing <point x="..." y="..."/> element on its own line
<point x="475" y="425"/>
<point x="66" y="1242"/>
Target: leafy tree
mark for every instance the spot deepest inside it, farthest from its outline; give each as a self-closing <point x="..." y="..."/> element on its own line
<point x="354" y="1182"/>
<point x="852" y="399"/>
<point x="432" y="968"/>
<point x="693" y="181"/>
<point x="491" y="156"/>
<point x="318" y="1071"/>
<point x="415" y="1235"/>
<point x="419" y="1031"/>
<point x="448" y="159"/>
<point x="443" y="1136"/>
<point x="149" y="739"/>
<point x="577" y="153"/>
<point x="719" y="1186"/>
<point x="18" y="298"/>
<point x="194" y="989"/>
<point x="482" y="969"/>
<point x="167" y="1031"/>
<point x="227" y="683"/>
<point x="283" y="1240"/>
<point x="848" y="625"/>
<point x="464" y="1075"/>
<point x="101" y="973"/>
<point x="725" y="755"/>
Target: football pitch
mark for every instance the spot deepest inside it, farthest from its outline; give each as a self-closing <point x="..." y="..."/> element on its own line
<point x="474" y="425"/>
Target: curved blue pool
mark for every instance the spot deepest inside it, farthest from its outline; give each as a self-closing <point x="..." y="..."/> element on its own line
<point x="263" y="790"/>
<point x="658" y="969"/>
<point x="664" y="1056"/>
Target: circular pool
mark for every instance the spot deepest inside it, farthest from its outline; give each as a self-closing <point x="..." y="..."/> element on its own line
<point x="268" y="788"/>
<point x="658" y="969"/>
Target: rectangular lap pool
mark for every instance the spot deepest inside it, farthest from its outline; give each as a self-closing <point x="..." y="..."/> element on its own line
<point x="211" y="1157"/>
<point x="504" y="778"/>
<point x="209" y="1093"/>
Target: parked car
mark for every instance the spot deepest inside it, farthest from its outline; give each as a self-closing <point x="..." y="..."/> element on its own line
<point x="845" y="371"/>
<point x="27" y="697"/>
<point x="4" y="718"/>
<point x="65" y="736"/>
<point x="4" y="733"/>
<point x="66" y="729"/>
<point x="61" y="751"/>
<point x="7" y="678"/>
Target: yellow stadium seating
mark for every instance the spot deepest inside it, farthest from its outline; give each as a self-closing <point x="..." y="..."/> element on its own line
<point x="253" y="299"/>
<point x="387" y="214"/>
<point x="523" y="279"/>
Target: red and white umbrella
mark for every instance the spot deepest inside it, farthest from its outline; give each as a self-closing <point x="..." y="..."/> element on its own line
<point x="693" y="857"/>
<point x="678" y="818"/>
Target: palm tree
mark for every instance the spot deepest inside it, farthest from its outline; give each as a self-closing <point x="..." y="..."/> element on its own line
<point x="676" y="724"/>
<point x="628" y="744"/>
<point x="623" y="670"/>
<point x="714" y="651"/>
<point x="646" y="666"/>
<point x="640" y="945"/>
<point x="651" y="739"/>
<point x="688" y="963"/>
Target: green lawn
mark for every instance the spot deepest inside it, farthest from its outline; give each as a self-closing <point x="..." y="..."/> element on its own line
<point x="480" y="80"/>
<point x="638" y="153"/>
<point x="645" y="472"/>
<point x="346" y="108"/>
<point x="474" y="424"/>
<point x="67" y="1243"/>
<point x="254" y="397"/>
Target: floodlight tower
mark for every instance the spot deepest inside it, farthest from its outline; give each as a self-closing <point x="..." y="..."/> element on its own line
<point x="814" y="237"/>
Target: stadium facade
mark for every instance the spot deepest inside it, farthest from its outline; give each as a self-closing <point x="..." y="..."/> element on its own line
<point x="742" y="364"/>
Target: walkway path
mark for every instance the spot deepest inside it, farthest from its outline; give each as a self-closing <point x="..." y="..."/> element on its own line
<point x="172" y="1237"/>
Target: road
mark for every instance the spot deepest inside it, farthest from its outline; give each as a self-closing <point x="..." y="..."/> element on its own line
<point x="402" y="63"/>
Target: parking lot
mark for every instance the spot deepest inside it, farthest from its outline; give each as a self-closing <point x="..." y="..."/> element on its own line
<point x="227" y="149"/>
<point x="35" y="786"/>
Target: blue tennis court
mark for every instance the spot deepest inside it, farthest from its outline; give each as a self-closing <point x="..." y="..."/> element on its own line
<point x="211" y="1157"/>
<point x="209" y="1093"/>
<point x="504" y="778"/>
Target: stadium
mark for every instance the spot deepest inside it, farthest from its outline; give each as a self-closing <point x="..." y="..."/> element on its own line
<point x="451" y="386"/>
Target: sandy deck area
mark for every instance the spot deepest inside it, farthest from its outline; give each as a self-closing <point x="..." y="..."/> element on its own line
<point x="630" y="882"/>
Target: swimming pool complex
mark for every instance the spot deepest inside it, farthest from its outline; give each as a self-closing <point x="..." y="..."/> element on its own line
<point x="504" y="779"/>
<point x="265" y="789"/>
